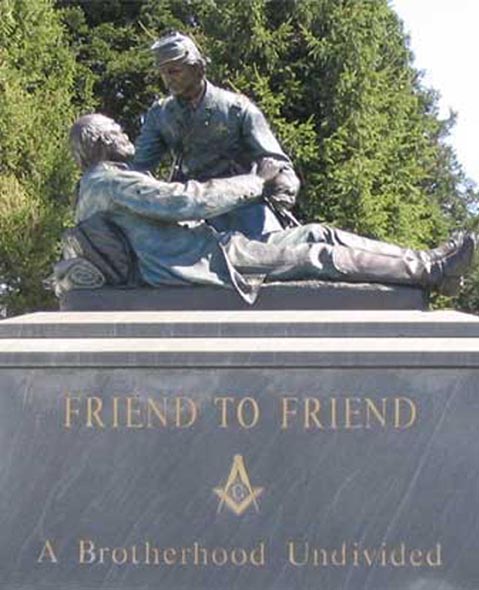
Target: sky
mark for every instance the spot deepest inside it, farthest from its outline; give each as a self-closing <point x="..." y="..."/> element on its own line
<point x="445" y="40"/>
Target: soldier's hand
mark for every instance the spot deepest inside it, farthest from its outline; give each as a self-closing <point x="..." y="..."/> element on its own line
<point x="268" y="168"/>
<point x="281" y="189"/>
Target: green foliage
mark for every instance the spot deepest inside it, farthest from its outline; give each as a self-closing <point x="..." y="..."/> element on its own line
<point x="29" y="233"/>
<point x="112" y="51"/>
<point x="335" y="79"/>
<point x="36" y="174"/>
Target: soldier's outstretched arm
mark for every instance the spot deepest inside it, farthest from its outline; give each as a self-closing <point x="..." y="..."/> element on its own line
<point x="175" y="201"/>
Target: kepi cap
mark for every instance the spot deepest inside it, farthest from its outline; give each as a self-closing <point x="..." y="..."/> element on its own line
<point x="176" y="47"/>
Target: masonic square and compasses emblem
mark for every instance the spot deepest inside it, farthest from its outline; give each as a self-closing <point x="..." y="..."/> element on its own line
<point x="238" y="494"/>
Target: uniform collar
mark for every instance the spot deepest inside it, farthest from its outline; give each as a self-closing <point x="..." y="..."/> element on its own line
<point x="206" y="100"/>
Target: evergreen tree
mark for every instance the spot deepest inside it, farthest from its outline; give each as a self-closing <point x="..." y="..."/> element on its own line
<point x="112" y="50"/>
<point x="335" y="79"/>
<point x="36" y="174"/>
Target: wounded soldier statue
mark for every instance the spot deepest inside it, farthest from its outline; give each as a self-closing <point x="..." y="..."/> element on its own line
<point x="133" y="229"/>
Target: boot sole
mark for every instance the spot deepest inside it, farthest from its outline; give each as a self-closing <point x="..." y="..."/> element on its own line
<point x="452" y="280"/>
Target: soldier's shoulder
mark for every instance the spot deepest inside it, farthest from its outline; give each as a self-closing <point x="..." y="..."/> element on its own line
<point x="230" y="98"/>
<point x="163" y="103"/>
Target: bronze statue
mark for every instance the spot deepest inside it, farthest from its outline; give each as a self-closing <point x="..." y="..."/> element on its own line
<point x="151" y="213"/>
<point x="212" y="133"/>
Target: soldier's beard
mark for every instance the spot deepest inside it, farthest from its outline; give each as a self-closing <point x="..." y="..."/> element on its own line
<point x="123" y="151"/>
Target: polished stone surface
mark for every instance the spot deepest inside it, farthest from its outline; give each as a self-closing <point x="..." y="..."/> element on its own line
<point x="379" y="479"/>
<point x="250" y="324"/>
<point x="273" y="296"/>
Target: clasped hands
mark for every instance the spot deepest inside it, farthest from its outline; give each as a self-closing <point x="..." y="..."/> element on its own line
<point x="277" y="181"/>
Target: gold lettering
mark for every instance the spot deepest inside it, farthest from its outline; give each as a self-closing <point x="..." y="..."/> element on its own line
<point x="169" y="556"/>
<point x="398" y="556"/>
<point x="257" y="556"/>
<point x="115" y="422"/>
<point x="338" y="557"/>
<point x="47" y="553"/>
<point x="320" y="557"/>
<point x="193" y="412"/>
<point x="409" y="406"/>
<point x="182" y="412"/>
<point x="370" y="556"/>
<point x="86" y="553"/>
<point x="153" y="408"/>
<point x="286" y="411"/>
<point x="383" y="556"/>
<point x="200" y="555"/>
<point x="311" y="414"/>
<point x="334" y="423"/>
<point x="94" y="406"/>
<point x="184" y="551"/>
<point x="351" y="412"/>
<point x="253" y="404"/>
<point x="223" y="402"/>
<point x="372" y="409"/>
<point x="133" y="412"/>
<point x="69" y="411"/>
<point x="434" y="557"/>
<point x="119" y="555"/>
<point x="416" y="558"/>
<point x="103" y="552"/>
<point x="152" y="555"/>
<point x="134" y="556"/>
<point x="239" y="556"/>
<point x="219" y="556"/>
<point x="355" y="554"/>
<point x="293" y="557"/>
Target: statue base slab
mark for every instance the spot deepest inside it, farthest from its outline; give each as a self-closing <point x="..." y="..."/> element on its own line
<point x="273" y="296"/>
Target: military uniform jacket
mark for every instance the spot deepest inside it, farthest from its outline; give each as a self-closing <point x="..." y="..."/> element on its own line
<point x="148" y="212"/>
<point x="223" y="136"/>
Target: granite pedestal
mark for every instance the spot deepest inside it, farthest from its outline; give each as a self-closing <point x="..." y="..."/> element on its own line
<point x="239" y="450"/>
<point x="273" y="296"/>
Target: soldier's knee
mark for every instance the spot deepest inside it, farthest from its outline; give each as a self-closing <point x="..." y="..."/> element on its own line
<point x="317" y="233"/>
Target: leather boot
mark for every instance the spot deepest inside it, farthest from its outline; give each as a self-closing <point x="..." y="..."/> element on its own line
<point x="454" y="265"/>
<point x="446" y="248"/>
<point x="428" y="269"/>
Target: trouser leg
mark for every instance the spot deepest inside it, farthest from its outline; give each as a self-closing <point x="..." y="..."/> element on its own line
<point x="319" y="233"/>
<point x="340" y="237"/>
<point x="429" y="269"/>
<point x="284" y="258"/>
<point x="362" y="266"/>
<point x="343" y="238"/>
